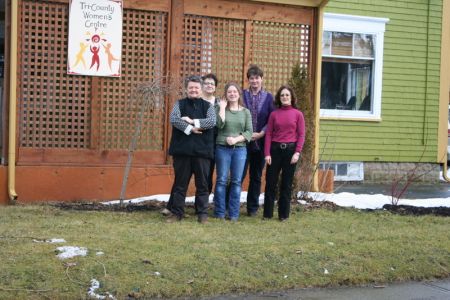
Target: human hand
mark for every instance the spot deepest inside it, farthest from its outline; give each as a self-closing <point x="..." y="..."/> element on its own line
<point x="295" y="158"/>
<point x="230" y="140"/>
<point x="223" y="103"/>
<point x="268" y="160"/>
<point x="257" y="135"/>
<point x="197" y="130"/>
<point x="188" y="120"/>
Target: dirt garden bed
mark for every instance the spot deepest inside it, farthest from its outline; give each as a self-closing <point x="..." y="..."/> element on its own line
<point x="155" y="205"/>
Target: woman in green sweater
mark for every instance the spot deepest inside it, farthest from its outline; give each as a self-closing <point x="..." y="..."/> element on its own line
<point x="234" y="125"/>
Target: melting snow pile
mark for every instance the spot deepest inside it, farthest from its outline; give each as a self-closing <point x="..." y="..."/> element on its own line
<point x="71" y="251"/>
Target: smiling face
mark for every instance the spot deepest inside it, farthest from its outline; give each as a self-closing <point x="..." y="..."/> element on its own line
<point x="255" y="82"/>
<point x="232" y="94"/>
<point x="193" y="89"/>
<point x="209" y="86"/>
<point x="285" y="97"/>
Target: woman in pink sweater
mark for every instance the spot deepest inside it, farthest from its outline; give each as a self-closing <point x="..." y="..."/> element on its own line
<point x="285" y="136"/>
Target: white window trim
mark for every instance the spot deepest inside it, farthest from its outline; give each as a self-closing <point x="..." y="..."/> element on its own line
<point x="355" y="170"/>
<point x="364" y="25"/>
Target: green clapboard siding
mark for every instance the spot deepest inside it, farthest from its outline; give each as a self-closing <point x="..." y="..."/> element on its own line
<point x="410" y="96"/>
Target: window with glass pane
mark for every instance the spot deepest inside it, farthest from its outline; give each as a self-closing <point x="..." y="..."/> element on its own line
<point x="347" y="71"/>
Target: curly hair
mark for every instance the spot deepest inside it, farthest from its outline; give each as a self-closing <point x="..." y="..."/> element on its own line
<point x="278" y="96"/>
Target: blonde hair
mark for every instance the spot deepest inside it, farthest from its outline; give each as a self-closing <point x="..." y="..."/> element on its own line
<point x="230" y="84"/>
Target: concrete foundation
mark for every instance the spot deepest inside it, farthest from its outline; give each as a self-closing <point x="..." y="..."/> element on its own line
<point x="390" y="172"/>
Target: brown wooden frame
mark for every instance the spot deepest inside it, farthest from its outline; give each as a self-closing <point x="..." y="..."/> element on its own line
<point x="246" y="11"/>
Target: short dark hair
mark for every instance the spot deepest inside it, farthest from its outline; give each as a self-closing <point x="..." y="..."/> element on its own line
<point x="254" y="70"/>
<point x="193" y="78"/>
<point x="278" y="96"/>
<point x="211" y="76"/>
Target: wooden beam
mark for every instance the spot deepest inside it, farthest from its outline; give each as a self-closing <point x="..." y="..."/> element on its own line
<point x="250" y="11"/>
<point x="86" y="157"/>
<point x="247" y="48"/>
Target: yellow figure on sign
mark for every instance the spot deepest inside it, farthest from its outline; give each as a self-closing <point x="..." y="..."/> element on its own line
<point x="79" y="57"/>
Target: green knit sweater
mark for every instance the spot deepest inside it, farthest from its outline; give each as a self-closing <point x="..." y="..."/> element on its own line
<point x="236" y="123"/>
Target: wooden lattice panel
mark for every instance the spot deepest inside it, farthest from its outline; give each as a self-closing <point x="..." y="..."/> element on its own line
<point x="228" y="51"/>
<point x="54" y="110"/>
<point x="277" y="47"/>
<point x="143" y="59"/>
<point x="213" y="45"/>
<point x="196" y="33"/>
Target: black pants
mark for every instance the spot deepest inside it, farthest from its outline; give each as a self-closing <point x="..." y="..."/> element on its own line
<point x="184" y="167"/>
<point x="255" y="163"/>
<point x="211" y="175"/>
<point x="281" y="162"/>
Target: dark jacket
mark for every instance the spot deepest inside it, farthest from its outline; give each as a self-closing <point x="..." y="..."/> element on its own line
<point x="265" y="107"/>
<point x="199" y="145"/>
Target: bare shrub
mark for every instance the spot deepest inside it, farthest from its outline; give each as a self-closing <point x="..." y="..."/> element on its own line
<point x="148" y="96"/>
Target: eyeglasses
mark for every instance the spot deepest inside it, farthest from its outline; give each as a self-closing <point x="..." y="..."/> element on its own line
<point x="209" y="83"/>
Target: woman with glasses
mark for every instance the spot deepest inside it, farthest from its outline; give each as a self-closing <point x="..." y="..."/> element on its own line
<point x="210" y="83"/>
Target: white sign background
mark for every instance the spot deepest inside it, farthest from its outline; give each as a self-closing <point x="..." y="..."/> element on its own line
<point x="95" y="37"/>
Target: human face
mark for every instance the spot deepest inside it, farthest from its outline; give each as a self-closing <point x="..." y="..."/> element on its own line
<point x="209" y="86"/>
<point x="194" y="89"/>
<point x="255" y="82"/>
<point x="285" y="97"/>
<point x="232" y="94"/>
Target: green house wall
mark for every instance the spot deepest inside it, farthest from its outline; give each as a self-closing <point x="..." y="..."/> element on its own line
<point x="408" y="131"/>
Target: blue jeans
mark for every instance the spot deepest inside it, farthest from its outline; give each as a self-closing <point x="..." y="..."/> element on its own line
<point x="229" y="161"/>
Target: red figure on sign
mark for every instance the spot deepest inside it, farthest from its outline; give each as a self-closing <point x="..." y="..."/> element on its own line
<point x="95" y="50"/>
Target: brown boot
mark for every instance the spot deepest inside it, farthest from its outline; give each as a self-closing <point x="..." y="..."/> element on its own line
<point x="173" y="218"/>
<point x="166" y="212"/>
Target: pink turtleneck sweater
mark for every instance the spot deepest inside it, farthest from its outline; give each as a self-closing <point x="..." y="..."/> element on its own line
<point x="286" y="125"/>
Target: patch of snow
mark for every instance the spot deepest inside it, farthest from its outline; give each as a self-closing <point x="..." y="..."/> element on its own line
<point x="344" y="199"/>
<point x="55" y="241"/>
<point x="160" y="197"/>
<point x="50" y="241"/>
<point x="95" y="285"/>
<point x="366" y="201"/>
<point x="71" y="251"/>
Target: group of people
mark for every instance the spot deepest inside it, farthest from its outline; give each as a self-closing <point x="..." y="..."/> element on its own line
<point x="239" y="132"/>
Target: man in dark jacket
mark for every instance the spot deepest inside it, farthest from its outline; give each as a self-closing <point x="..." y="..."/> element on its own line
<point x="192" y="148"/>
<point x="260" y="104"/>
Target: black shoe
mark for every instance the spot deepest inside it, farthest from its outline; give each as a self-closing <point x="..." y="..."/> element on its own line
<point x="202" y="219"/>
<point x="283" y="219"/>
<point x="252" y="214"/>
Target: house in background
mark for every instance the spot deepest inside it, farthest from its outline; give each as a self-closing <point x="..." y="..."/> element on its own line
<point x="380" y="78"/>
<point x="69" y="135"/>
<point x="385" y="88"/>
